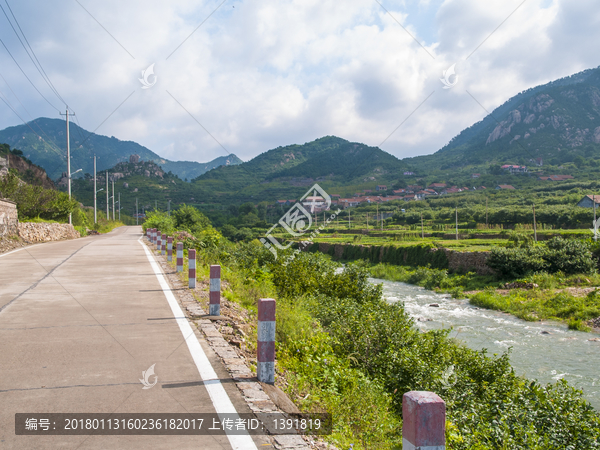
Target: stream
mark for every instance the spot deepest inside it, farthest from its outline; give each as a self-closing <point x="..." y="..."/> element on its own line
<point x="544" y="351"/>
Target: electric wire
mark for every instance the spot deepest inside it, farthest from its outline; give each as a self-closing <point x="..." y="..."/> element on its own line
<point x="38" y="66"/>
<point x="4" y="98"/>
<point x="28" y="79"/>
<point x="49" y="141"/>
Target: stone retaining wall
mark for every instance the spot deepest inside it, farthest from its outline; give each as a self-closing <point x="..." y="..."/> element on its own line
<point x="468" y="262"/>
<point x="8" y="218"/>
<point x="44" y="232"/>
<point x="457" y="261"/>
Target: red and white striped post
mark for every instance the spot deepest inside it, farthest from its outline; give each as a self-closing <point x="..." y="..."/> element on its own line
<point x="158" y="241"/>
<point x="423" y="421"/>
<point x="152" y="234"/>
<point x="169" y="249"/>
<point x="192" y="267"/>
<point x="163" y="247"/>
<point x="180" y="257"/>
<point x="214" y="307"/>
<point x="154" y="231"/>
<point x="265" y="357"/>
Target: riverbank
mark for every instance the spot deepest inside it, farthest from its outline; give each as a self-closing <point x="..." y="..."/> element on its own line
<point x="573" y="300"/>
<point x="542" y="350"/>
<point x="343" y="348"/>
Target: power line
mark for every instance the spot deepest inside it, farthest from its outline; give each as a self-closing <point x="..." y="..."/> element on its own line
<point x="40" y="68"/>
<point x="28" y="79"/>
<point x="28" y="113"/>
<point x="7" y="102"/>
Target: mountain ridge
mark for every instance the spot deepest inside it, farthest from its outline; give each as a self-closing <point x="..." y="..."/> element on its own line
<point x="43" y="141"/>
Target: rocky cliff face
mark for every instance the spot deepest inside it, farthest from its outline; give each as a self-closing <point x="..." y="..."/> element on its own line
<point x="568" y="115"/>
<point x="29" y="172"/>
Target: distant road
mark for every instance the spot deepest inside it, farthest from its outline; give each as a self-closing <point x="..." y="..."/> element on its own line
<point x="80" y="321"/>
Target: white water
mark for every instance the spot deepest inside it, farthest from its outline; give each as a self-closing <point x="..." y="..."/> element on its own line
<point x="545" y="357"/>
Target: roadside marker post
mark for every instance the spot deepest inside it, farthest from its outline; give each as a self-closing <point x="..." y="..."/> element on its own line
<point x="180" y="257"/>
<point x="214" y="307"/>
<point x="163" y="248"/>
<point x="152" y="234"/>
<point x="169" y="249"/>
<point x="158" y="241"/>
<point x="265" y="357"/>
<point x="423" y="421"/>
<point x="154" y="231"/>
<point x="192" y="267"/>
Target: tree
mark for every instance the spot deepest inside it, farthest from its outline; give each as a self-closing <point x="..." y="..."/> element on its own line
<point x="190" y="219"/>
<point x="247" y="208"/>
<point x="495" y="169"/>
<point x="233" y="210"/>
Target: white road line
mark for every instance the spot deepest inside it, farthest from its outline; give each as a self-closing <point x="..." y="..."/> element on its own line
<point x="213" y="385"/>
<point x="18" y="250"/>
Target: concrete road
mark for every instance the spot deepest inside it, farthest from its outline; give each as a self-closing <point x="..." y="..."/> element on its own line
<point x="79" y="322"/>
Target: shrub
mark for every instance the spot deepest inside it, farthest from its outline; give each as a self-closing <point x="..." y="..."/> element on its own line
<point x="569" y="256"/>
<point x="516" y="262"/>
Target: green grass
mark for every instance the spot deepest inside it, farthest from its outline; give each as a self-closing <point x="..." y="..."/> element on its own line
<point x="536" y="304"/>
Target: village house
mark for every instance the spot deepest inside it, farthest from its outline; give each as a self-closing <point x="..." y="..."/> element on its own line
<point x="504" y="186"/>
<point x="381" y="187"/>
<point x="513" y="169"/>
<point x="537" y="161"/>
<point x="589" y="200"/>
<point x="437" y="186"/>
<point x="391" y="197"/>
<point x="475" y="175"/>
<point x="556" y="177"/>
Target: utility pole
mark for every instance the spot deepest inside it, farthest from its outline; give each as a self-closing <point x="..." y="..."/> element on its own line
<point x="68" y="160"/>
<point x="534" y="224"/>
<point x="137" y="214"/>
<point x="119" y="206"/>
<point x="348" y="219"/>
<point x="155" y="205"/>
<point x="367" y="222"/>
<point x="113" y="198"/>
<point x="456" y="223"/>
<point x="486" y="224"/>
<point x="95" y="192"/>
<point x="169" y="208"/>
<point x="595" y="226"/>
<point x="422" y="231"/>
<point x="107" y="213"/>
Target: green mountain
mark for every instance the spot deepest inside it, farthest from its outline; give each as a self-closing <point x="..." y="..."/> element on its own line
<point x="286" y="172"/>
<point x="557" y="122"/>
<point x="43" y="141"/>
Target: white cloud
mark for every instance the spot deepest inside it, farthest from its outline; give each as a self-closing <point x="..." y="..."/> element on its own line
<point x="258" y="75"/>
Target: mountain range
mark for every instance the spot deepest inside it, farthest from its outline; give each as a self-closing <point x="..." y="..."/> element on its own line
<point x="554" y="129"/>
<point x="43" y="141"/>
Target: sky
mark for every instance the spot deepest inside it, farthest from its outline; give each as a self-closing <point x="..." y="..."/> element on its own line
<point x="244" y="77"/>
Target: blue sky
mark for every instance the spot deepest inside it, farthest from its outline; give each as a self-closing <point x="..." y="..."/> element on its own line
<point x="248" y="76"/>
